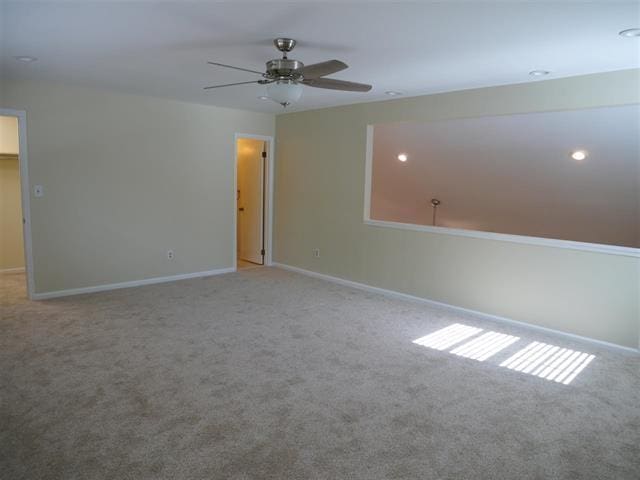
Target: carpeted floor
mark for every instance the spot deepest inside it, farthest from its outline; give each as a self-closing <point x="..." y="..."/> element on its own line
<point x="266" y="374"/>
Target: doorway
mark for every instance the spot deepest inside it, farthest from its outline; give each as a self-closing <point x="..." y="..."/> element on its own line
<point x="252" y="200"/>
<point x="16" y="281"/>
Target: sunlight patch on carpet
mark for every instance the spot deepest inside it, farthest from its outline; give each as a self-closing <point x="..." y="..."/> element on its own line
<point x="485" y="346"/>
<point x="550" y="362"/>
<point x="546" y="361"/>
<point x="447" y="337"/>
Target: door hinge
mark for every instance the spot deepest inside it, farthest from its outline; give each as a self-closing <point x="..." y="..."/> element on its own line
<point x="262" y="252"/>
<point x="264" y="154"/>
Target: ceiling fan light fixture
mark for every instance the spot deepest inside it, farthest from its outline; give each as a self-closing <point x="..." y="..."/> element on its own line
<point x="284" y="92"/>
<point x="285" y="77"/>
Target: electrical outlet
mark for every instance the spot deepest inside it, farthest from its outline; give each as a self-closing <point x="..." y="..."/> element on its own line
<point x="316" y="252"/>
<point x="170" y="254"/>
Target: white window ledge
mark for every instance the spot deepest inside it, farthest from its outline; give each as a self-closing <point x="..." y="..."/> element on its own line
<point x="504" y="237"/>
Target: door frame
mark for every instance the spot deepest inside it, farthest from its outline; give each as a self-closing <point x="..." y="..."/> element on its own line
<point x="268" y="197"/>
<point x="25" y="193"/>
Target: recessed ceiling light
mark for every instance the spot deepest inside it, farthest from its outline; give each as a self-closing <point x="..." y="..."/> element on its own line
<point x="539" y="73"/>
<point x="393" y="93"/>
<point x="263" y="97"/>
<point x="578" y="154"/>
<point x="403" y="157"/>
<point x="630" y="32"/>
<point x="25" y="58"/>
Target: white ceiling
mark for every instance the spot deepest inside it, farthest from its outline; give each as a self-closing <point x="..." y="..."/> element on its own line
<point x="161" y="48"/>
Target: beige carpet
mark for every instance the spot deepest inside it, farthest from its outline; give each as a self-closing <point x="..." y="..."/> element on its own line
<point x="265" y="374"/>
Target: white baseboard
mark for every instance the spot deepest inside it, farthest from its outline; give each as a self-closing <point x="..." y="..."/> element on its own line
<point x="488" y="316"/>
<point x="12" y="270"/>
<point x="133" y="283"/>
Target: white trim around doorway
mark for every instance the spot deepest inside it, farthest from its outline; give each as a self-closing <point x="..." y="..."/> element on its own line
<point x="268" y="206"/>
<point x="25" y="192"/>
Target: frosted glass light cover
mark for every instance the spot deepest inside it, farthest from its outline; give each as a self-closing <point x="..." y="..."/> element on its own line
<point x="284" y="92"/>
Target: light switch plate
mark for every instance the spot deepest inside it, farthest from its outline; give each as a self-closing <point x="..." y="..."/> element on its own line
<point x="38" y="191"/>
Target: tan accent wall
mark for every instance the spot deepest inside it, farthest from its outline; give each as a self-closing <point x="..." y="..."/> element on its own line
<point x="11" y="244"/>
<point x="9" y="135"/>
<point x="127" y="178"/>
<point x="319" y="196"/>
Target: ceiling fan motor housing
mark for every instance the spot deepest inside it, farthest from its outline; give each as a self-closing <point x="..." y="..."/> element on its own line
<point x="284" y="44"/>
<point x="284" y="69"/>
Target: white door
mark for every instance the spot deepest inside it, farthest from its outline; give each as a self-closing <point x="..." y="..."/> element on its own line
<point x="250" y="193"/>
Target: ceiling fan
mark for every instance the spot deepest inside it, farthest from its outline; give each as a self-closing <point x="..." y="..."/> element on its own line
<point x="285" y="77"/>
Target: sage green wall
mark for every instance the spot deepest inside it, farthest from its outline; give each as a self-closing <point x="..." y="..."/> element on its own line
<point x="125" y="179"/>
<point x="319" y="197"/>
